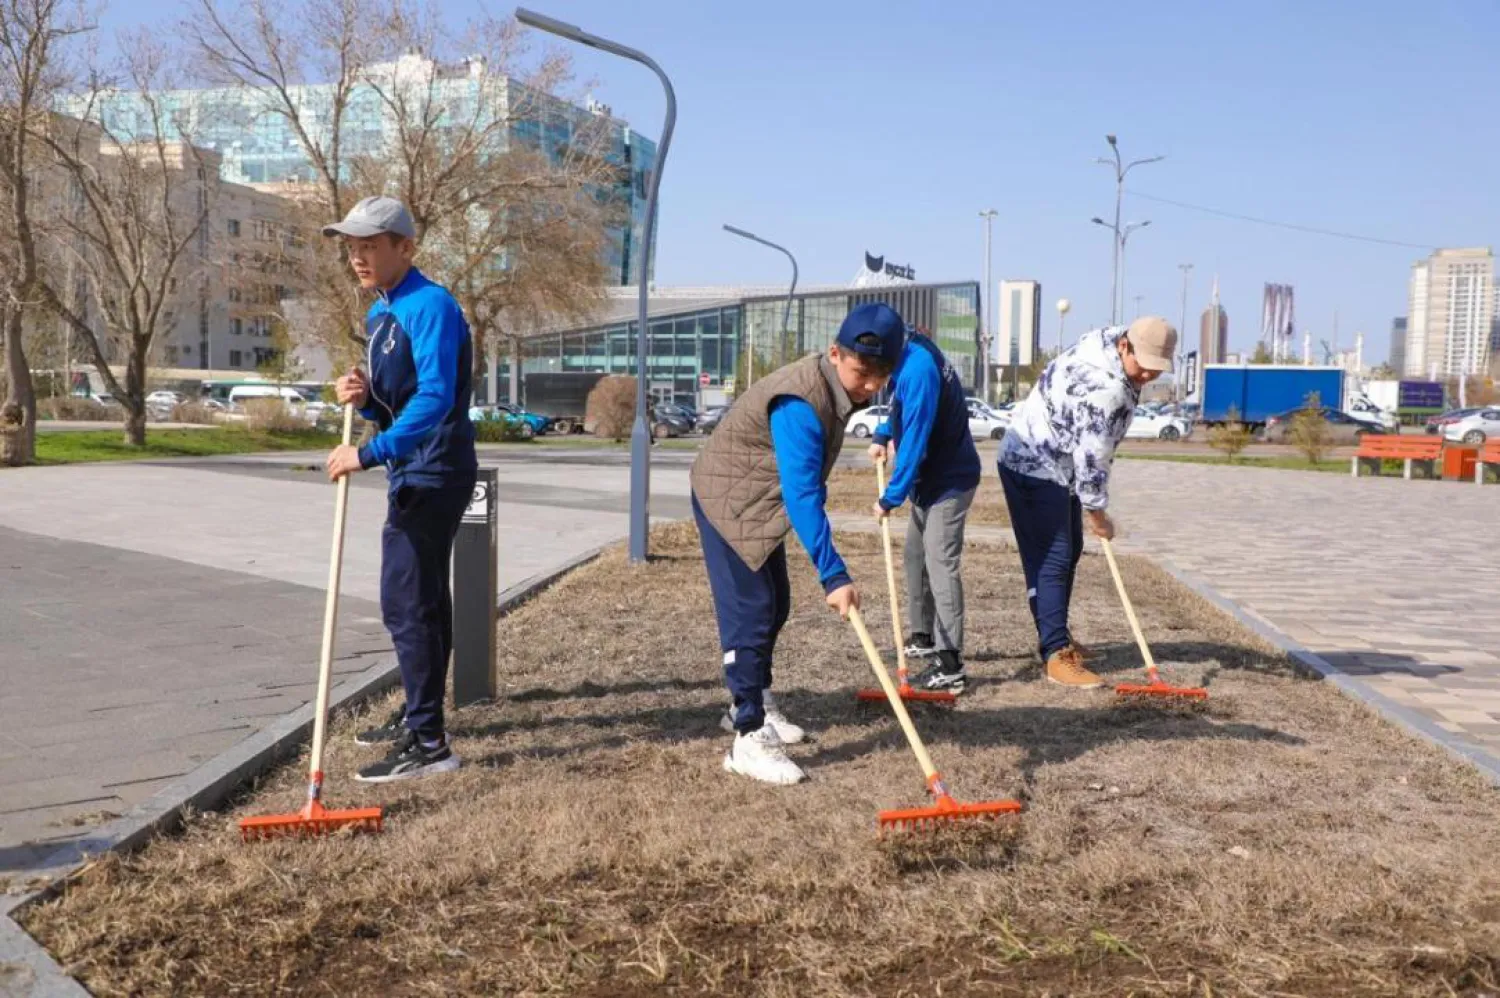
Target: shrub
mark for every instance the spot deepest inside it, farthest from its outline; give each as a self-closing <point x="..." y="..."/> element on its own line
<point x="1309" y="430"/>
<point x="194" y="412"/>
<point x="611" y="407"/>
<point x="500" y="431"/>
<point x="271" y="416"/>
<point x="1230" y="437"/>
<point x="71" y="407"/>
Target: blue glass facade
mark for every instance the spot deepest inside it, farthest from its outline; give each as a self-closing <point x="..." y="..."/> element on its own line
<point x="259" y="146"/>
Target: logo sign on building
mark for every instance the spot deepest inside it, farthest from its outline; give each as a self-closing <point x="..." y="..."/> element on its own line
<point x="1018" y="311"/>
<point x="877" y="272"/>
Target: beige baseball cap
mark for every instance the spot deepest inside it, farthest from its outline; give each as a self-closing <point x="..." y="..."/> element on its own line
<point x="1154" y="341"/>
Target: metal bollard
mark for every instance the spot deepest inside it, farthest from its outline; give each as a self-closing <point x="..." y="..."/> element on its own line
<point x="475" y="594"/>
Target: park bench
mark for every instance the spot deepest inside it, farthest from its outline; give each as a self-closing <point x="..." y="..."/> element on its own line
<point x="1373" y="450"/>
<point x="1489" y="453"/>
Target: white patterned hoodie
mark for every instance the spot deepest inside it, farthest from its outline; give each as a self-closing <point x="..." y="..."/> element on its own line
<point x="1067" y="429"/>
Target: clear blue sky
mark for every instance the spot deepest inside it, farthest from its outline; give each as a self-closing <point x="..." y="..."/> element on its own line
<point x="837" y="127"/>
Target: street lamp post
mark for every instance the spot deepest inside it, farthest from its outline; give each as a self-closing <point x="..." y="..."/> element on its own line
<point x="1186" y="269"/>
<point x="1125" y="238"/>
<point x="1116" y="303"/>
<point x="786" y="315"/>
<point x="1062" y="313"/>
<point x="987" y="335"/>
<point x="640" y="434"/>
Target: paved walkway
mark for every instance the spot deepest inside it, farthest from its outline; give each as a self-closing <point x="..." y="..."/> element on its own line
<point x="1395" y="583"/>
<point x="152" y="615"/>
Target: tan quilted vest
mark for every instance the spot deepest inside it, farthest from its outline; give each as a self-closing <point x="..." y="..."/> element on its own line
<point x="735" y="476"/>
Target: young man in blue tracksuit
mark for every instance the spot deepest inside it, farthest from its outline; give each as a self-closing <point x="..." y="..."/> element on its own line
<point x="937" y="466"/>
<point x="761" y="476"/>
<point x="417" y="392"/>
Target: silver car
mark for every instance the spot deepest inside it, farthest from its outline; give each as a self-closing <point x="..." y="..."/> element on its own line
<point x="1474" y="428"/>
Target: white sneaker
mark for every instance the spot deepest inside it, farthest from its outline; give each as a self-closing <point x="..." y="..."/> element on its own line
<point x="760" y="756"/>
<point x="789" y="733"/>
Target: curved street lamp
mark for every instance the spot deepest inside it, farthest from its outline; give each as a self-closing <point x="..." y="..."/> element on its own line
<point x="786" y="314"/>
<point x="640" y="434"/>
<point x="1121" y="169"/>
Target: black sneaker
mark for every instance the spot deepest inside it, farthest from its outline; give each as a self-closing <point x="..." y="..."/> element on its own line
<point x="410" y="759"/>
<point x="945" y="675"/>
<point x="393" y="730"/>
<point x="920" y="646"/>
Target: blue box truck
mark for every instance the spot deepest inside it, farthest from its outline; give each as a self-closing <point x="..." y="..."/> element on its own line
<point x="1257" y="392"/>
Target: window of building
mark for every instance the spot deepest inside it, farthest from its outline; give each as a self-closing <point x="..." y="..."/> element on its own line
<point x="234" y="227"/>
<point x="237" y="326"/>
<point x="236" y="359"/>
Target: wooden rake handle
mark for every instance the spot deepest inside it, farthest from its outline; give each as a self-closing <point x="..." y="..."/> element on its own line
<point x="1135" y="625"/>
<point x="330" y="617"/>
<point x="920" y="750"/>
<point x="890" y="575"/>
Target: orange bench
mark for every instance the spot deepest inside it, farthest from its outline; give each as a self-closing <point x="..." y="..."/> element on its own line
<point x="1373" y="449"/>
<point x="1488" y="454"/>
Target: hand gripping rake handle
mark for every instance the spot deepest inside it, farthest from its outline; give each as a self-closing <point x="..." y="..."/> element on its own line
<point x="934" y="781"/>
<point x="890" y="580"/>
<point x="330" y="623"/>
<point x="1135" y="625"/>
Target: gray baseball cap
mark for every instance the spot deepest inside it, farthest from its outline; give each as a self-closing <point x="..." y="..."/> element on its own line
<point x="371" y="217"/>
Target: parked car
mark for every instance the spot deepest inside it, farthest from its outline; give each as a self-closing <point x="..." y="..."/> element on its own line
<point x="537" y="422"/>
<point x="668" y="421"/>
<point x="985" y="423"/>
<point x="1475" y="428"/>
<point x="501" y="414"/>
<point x="862" y="424"/>
<point x="711" y="417"/>
<point x="165" y="399"/>
<point x="681" y="413"/>
<point x="1158" y="425"/>
<point x="1342" y="427"/>
<point x="1442" y="419"/>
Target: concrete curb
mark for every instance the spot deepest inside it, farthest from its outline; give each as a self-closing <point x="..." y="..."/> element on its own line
<point x="1350" y="686"/>
<point x="27" y="970"/>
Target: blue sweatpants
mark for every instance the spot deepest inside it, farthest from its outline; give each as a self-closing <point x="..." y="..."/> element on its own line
<point x="1048" y="523"/>
<point x="416" y="597"/>
<point x="751" y="608"/>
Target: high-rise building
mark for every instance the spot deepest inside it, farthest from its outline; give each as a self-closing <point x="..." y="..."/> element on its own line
<point x="1450" y="321"/>
<point x="1019" y="317"/>
<point x="259" y="147"/>
<point x="1396" y="359"/>
<point x="1213" y="346"/>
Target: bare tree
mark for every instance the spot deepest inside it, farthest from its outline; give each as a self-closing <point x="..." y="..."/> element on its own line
<point x="33" y="38"/>
<point x="139" y="233"/>
<point x="515" y="226"/>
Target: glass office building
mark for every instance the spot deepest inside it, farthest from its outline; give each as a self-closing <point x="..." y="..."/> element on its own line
<point x="714" y="332"/>
<point x="259" y="146"/>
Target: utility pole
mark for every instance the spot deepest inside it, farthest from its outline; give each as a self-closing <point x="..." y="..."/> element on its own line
<point x="987" y="333"/>
<point x="1138" y="299"/>
<point x="1116" y="303"/>
<point x="1186" y="269"/>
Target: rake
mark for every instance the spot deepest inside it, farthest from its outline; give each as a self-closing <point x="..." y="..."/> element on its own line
<point x="1154" y="687"/>
<point x="314" y="819"/>
<point x="945" y="808"/>
<point x="904" y="689"/>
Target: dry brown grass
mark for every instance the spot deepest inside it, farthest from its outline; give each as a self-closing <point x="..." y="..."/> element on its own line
<point x="1286" y="842"/>
<point x="853" y="491"/>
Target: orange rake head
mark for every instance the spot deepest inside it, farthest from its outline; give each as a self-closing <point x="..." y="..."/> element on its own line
<point x="1157" y="688"/>
<point x="908" y="692"/>
<point x="945" y="810"/>
<point x="312" y="821"/>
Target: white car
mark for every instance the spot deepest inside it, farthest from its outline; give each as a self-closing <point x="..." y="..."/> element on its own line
<point x="985" y="423"/>
<point x="1365" y="411"/>
<point x="164" y="399"/>
<point x="862" y="424"/>
<point x="1475" y="428"/>
<point x="1148" y="425"/>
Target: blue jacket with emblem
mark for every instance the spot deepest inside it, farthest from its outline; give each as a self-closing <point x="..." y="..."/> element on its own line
<point x="420" y="357"/>
<point x="929" y="420"/>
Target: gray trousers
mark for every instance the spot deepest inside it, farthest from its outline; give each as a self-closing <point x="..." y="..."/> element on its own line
<point x="934" y="587"/>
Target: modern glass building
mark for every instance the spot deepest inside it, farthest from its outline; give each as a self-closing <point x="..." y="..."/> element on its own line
<point x="701" y="340"/>
<point x="258" y="145"/>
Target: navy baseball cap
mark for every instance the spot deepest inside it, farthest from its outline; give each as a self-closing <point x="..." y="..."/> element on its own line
<point x="879" y="320"/>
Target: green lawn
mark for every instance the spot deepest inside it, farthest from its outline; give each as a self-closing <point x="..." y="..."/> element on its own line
<point x="109" y="445"/>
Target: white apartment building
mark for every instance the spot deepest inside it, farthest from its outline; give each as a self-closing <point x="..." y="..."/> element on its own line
<point x="1451" y="313"/>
